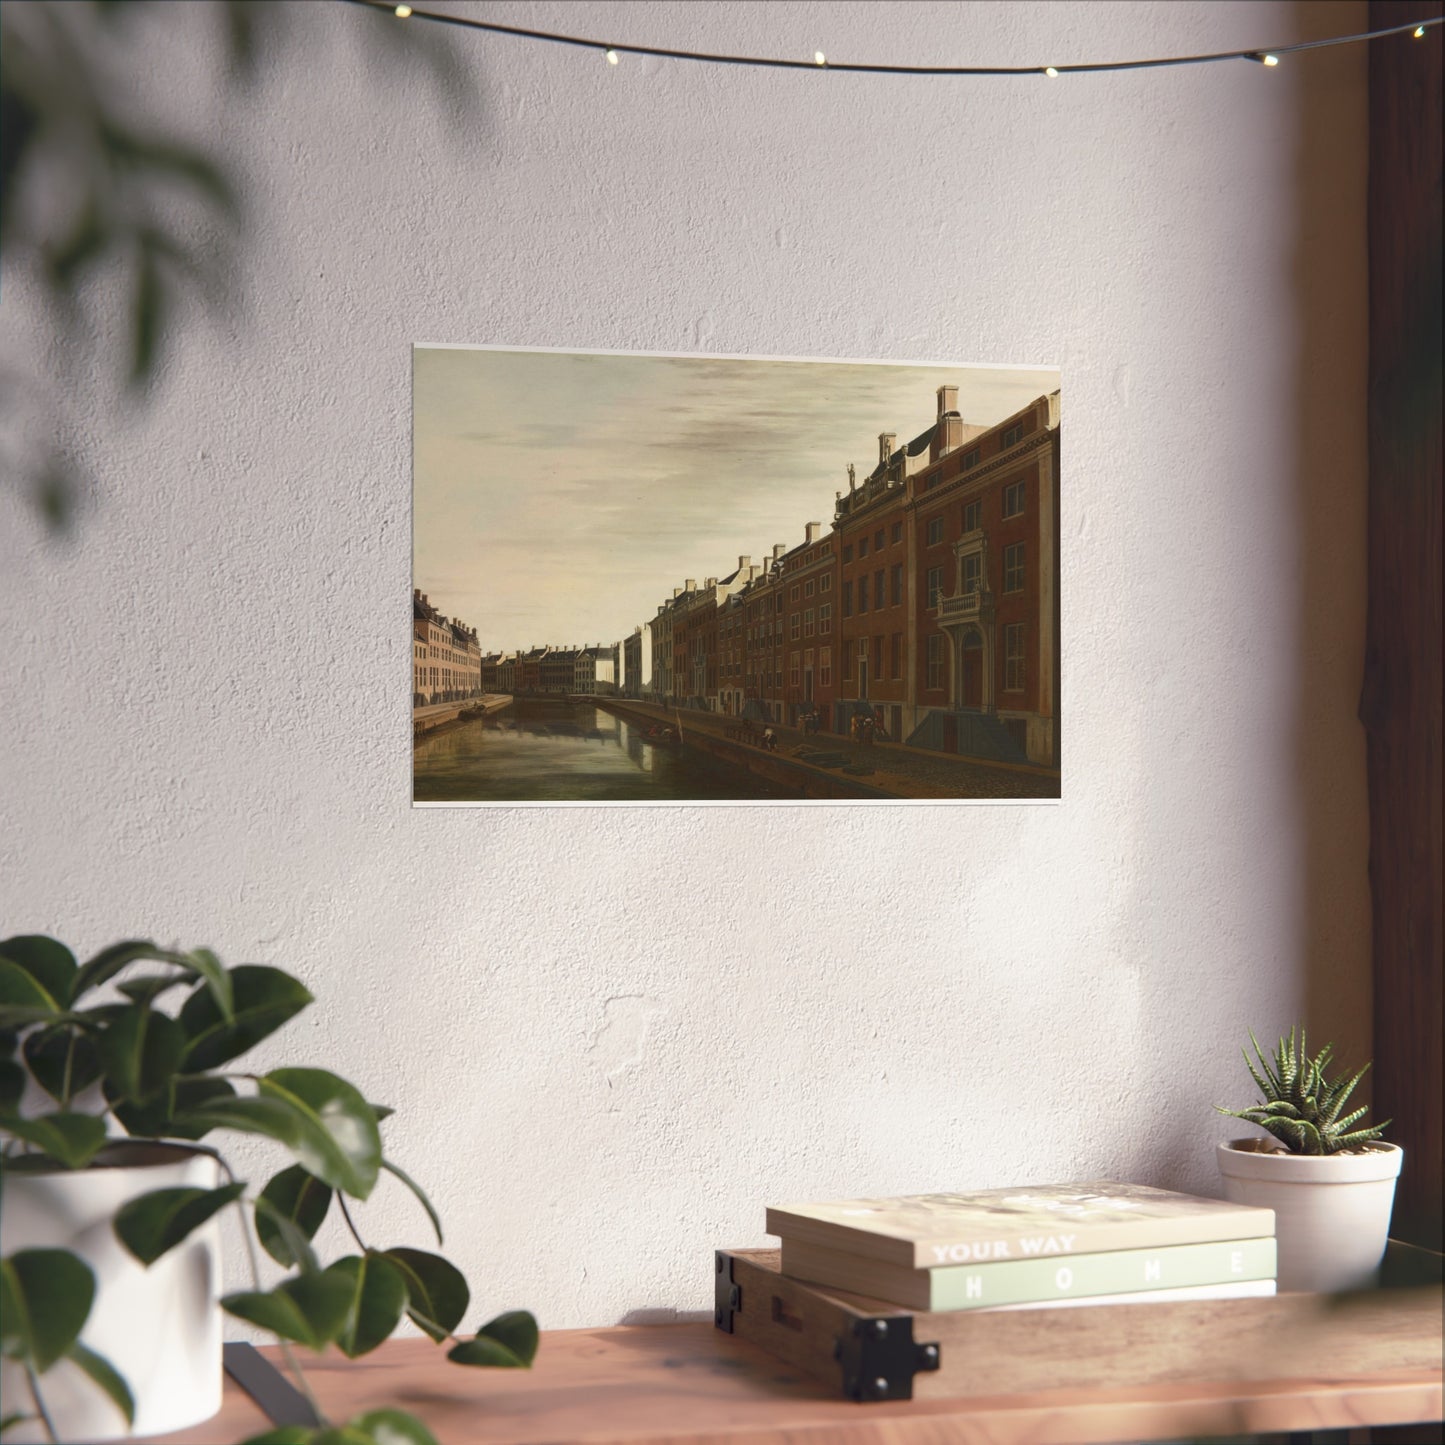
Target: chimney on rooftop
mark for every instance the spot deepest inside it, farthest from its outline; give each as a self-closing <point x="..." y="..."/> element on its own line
<point x="691" y="584"/>
<point x="779" y="548"/>
<point x="712" y="581"/>
<point x="812" y="530"/>
<point x="744" y="563"/>
<point x="948" y="431"/>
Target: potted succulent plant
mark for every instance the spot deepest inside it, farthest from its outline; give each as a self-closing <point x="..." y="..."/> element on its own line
<point x="113" y="1085"/>
<point x="1331" y="1185"/>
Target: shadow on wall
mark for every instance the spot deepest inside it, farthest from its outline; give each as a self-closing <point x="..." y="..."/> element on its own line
<point x="91" y="190"/>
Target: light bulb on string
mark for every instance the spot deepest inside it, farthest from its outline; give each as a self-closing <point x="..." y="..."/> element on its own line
<point x="402" y="11"/>
<point x="1051" y="72"/>
<point x="612" y="57"/>
<point x="819" y="58"/>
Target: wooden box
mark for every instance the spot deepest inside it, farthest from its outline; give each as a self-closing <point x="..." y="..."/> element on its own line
<point x="871" y="1350"/>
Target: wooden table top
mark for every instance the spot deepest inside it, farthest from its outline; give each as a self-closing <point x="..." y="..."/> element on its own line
<point x="691" y="1384"/>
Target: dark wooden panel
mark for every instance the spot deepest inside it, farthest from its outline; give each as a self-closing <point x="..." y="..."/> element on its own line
<point x="1400" y="703"/>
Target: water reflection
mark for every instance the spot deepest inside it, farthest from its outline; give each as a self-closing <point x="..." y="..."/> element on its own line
<point x="570" y="753"/>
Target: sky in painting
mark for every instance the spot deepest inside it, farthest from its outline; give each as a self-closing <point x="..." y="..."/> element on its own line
<point x="560" y="496"/>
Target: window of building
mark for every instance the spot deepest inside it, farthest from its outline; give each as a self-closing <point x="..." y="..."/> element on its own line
<point x="793" y="593"/>
<point x="972" y="571"/>
<point x="862" y="546"/>
<point x="896" y="654"/>
<point x="935" y="662"/>
<point x="895" y="594"/>
<point x="935" y="531"/>
<point x="1013" y="568"/>
<point x="878" y="593"/>
<point x="793" y="675"/>
<point x="1014" y="434"/>
<point x="825" y="582"/>
<point x="808" y="588"/>
<point x="825" y="619"/>
<point x="808" y="623"/>
<point x="878" y="540"/>
<point x="1013" y="657"/>
<point x="847" y="664"/>
<point x="825" y="666"/>
<point x="897" y="534"/>
<point x="972" y="516"/>
<point x="863" y="593"/>
<point x="1013" y="499"/>
<point x="847" y="599"/>
<point x="935" y="585"/>
<point x="793" y="624"/>
<point x="848" y="552"/>
<point x="878" y="655"/>
<point x="970" y="460"/>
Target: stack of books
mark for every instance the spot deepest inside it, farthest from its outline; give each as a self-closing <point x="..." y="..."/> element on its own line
<point x="1031" y="1247"/>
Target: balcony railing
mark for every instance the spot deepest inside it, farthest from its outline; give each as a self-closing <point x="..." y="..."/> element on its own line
<point x="964" y="607"/>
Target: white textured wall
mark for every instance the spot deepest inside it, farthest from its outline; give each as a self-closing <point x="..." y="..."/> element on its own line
<point x="613" y="1036"/>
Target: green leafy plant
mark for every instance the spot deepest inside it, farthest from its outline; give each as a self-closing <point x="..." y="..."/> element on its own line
<point x="1301" y="1107"/>
<point x="171" y="1075"/>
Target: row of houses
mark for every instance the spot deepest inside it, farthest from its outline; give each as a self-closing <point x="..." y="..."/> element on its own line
<point x="552" y="671"/>
<point x="446" y="659"/>
<point x="930" y="604"/>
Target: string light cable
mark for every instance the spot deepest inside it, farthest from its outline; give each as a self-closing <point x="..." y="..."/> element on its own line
<point x="612" y="50"/>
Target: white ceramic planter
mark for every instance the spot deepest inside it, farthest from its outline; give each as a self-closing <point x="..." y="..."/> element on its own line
<point x="1331" y="1212"/>
<point x="160" y="1327"/>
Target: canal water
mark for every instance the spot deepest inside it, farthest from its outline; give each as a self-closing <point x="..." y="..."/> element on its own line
<point x="558" y="752"/>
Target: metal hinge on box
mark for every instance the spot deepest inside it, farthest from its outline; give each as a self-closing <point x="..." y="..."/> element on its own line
<point x="727" y="1297"/>
<point x="880" y="1357"/>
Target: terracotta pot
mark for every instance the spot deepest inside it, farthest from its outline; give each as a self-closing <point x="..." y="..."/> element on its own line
<point x="1331" y="1211"/>
<point x="160" y="1327"/>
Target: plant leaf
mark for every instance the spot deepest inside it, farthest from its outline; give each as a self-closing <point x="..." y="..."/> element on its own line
<point x="296" y="1243"/>
<point x="151" y="1224"/>
<point x="23" y="999"/>
<point x="104" y="1374"/>
<point x="378" y="1296"/>
<point x="72" y="1139"/>
<point x="416" y="1189"/>
<point x="264" y="998"/>
<point x="507" y="1342"/>
<point x="298" y="1197"/>
<point x="165" y="1115"/>
<point x="50" y="964"/>
<point x="209" y="967"/>
<point x="47" y="1052"/>
<point x="45" y="1299"/>
<point x="392" y="1427"/>
<point x="141" y="1051"/>
<point x="310" y="1310"/>
<point x="437" y="1293"/>
<point x="12" y="1086"/>
<point x="109" y="962"/>
<point x="11" y="1421"/>
<point x="148" y="989"/>
<point x="340" y="1143"/>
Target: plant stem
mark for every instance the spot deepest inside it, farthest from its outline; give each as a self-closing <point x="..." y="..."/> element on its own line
<point x="69" y="1067"/>
<point x="292" y="1363"/>
<point x="346" y="1215"/>
<point x="39" y="1403"/>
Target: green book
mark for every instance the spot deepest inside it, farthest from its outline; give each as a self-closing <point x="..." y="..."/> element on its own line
<point x="1034" y="1281"/>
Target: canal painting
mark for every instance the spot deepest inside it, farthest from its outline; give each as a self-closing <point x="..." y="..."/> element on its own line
<point x="667" y="579"/>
